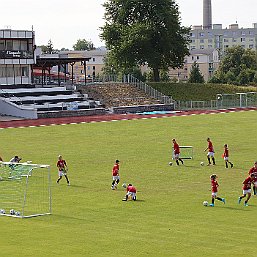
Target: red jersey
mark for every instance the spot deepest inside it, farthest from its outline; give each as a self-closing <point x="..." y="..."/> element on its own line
<point x="214" y="186"/>
<point x="210" y="147"/>
<point x="247" y="183"/>
<point x="225" y="154"/>
<point x="115" y="169"/>
<point x="176" y="148"/>
<point x="253" y="171"/>
<point x="61" y="165"/>
<point x="131" y="189"/>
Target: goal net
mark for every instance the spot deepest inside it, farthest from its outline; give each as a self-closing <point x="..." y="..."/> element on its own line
<point x="25" y="190"/>
<point x="186" y="152"/>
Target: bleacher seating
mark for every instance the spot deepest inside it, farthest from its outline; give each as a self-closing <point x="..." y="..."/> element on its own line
<point x="44" y="99"/>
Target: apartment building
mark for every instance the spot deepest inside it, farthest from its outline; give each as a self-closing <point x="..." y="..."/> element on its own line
<point x="207" y="59"/>
<point x="16" y="56"/>
<point x="223" y="38"/>
<point x="93" y="67"/>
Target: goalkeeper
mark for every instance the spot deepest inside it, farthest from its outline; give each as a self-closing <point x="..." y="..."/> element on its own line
<point x="62" y="169"/>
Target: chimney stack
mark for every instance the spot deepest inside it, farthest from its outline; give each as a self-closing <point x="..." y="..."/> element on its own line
<point x="207" y="14"/>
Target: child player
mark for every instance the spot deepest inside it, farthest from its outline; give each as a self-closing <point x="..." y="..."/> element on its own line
<point x="246" y="189"/>
<point x="253" y="171"/>
<point x="115" y="175"/>
<point x="176" y="151"/>
<point x="225" y="157"/>
<point x="131" y="191"/>
<point x="210" y="153"/>
<point x="62" y="169"/>
<point x="214" y="189"/>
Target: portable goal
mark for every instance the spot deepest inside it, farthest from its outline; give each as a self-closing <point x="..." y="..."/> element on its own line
<point x="25" y="190"/>
<point x="186" y="152"/>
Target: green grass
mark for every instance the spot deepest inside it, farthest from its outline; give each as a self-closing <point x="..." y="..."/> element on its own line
<point x="89" y="219"/>
<point x="199" y="92"/>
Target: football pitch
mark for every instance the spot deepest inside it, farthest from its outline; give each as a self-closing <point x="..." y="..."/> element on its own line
<point x="168" y="219"/>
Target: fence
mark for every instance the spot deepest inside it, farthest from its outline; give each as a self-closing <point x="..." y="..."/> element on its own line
<point x="223" y="101"/>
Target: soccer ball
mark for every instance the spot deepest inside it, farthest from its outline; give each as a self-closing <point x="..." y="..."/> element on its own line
<point x="124" y="185"/>
<point x="170" y="163"/>
<point x="2" y="211"/>
<point x="17" y="213"/>
<point x="205" y="203"/>
<point x="201" y="163"/>
<point x="12" y="211"/>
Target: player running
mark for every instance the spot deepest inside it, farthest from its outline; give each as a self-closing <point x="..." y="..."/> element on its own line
<point x="176" y="151"/>
<point x="253" y="171"/>
<point x="226" y="157"/>
<point x="132" y="192"/>
<point x="62" y="169"/>
<point x="246" y="189"/>
<point x="115" y="175"/>
<point x="210" y="154"/>
<point x="214" y="189"/>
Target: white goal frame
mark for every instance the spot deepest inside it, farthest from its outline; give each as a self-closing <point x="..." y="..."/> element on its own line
<point x="31" y="194"/>
<point x="185" y="155"/>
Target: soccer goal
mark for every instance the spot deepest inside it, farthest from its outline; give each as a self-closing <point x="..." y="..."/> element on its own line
<point x="25" y="190"/>
<point x="186" y="152"/>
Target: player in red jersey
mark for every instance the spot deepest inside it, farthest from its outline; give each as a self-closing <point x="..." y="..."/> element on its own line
<point x="226" y="157"/>
<point x="253" y="171"/>
<point x="176" y="152"/>
<point x="210" y="153"/>
<point x="214" y="189"/>
<point x="246" y="189"/>
<point x="62" y="169"/>
<point x="115" y="175"/>
<point x="132" y="192"/>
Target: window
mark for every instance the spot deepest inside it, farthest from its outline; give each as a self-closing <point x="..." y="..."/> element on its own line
<point x="210" y="40"/>
<point x="192" y="47"/>
<point x="225" y="40"/>
<point x="201" y="40"/>
<point x="9" y="45"/>
<point x="251" y="33"/>
<point x="88" y="67"/>
<point x="201" y="46"/>
<point x="192" y="35"/>
<point x="82" y="71"/>
<point x="192" y="58"/>
<point x="243" y="33"/>
<point x="93" y="59"/>
<point x="201" y="34"/>
<point x="197" y="57"/>
<point x="193" y="41"/>
<point x="251" y="46"/>
<point x="24" y="71"/>
<point x="93" y="67"/>
<point x="209" y="46"/>
<point x="2" y="45"/>
<point x="242" y="39"/>
<point x="234" y="40"/>
<point x="251" y="39"/>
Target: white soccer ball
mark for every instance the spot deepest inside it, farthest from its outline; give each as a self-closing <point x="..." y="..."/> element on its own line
<point x="12" y="211"/>
<point x="202" y="163"/>
<point x="124" y="185"/>
<point x="2" y="211"/>
<point x="205" y="203"/>
<point x="170" y="163"/>
<point x="17" y="213"/>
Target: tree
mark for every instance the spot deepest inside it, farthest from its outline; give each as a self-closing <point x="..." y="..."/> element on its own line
<point x="195" y="74"/>
<point x="83" y="44"/>
<point x="237" y="67"/>
<point x="49" y="48"/>
<point x="145" y="32"/>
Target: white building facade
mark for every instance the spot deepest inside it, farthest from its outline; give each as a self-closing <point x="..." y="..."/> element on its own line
<point x="16" y="56"/>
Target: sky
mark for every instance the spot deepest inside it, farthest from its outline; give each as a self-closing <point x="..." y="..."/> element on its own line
<point x="64" y="22"/>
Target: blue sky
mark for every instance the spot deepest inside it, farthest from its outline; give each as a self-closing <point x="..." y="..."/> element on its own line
<point x="65" y="21"/>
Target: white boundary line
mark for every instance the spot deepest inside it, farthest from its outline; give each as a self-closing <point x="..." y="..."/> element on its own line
<point x="221" y="111"/>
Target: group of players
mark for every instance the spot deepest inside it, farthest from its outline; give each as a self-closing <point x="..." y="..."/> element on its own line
<point x="131" y="190"/>
<point x="247" y="183"/>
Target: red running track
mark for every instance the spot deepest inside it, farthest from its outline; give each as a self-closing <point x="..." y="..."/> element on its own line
<point x="108" y="117"/>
